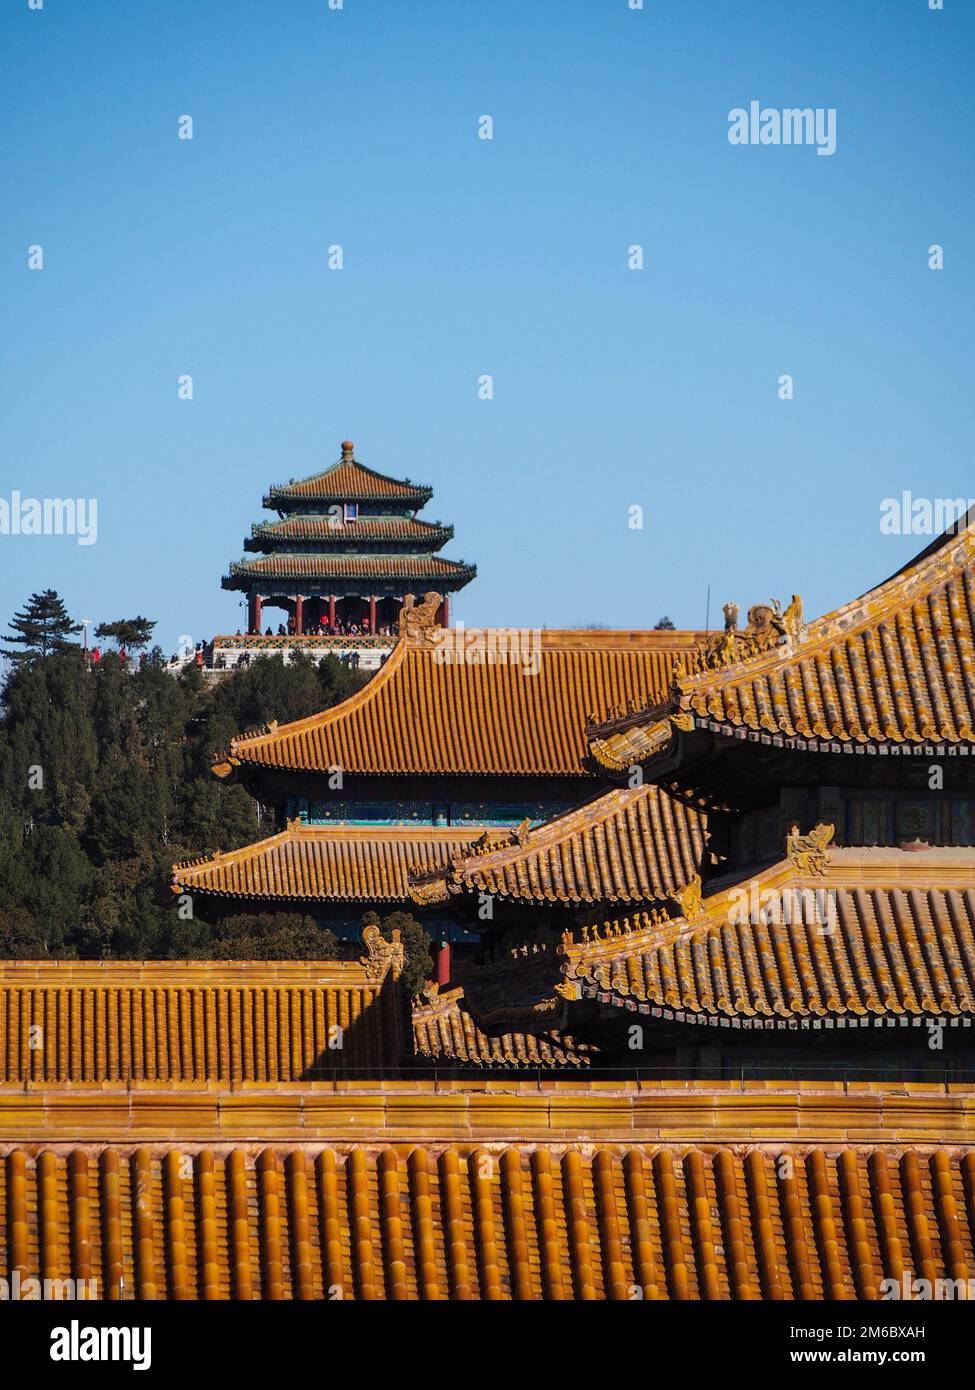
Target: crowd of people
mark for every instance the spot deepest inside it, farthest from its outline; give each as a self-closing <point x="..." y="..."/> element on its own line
<point x="337" y="629"/>
<point x="95" y="655"/>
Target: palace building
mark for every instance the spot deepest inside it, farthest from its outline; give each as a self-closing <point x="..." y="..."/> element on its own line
<point x="817" y="892"/>
<point x="713" y="1039"/>
<point x="419" y="763"/>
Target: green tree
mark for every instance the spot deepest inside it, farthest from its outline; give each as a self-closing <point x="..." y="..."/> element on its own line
<point x="105" y="782"/>
<point x="131" y="633"/>
<point x="42" y="628"/>
<point x="266" y="936"/>
<point x="417" y="962"/>
<point x="20" y="938"/>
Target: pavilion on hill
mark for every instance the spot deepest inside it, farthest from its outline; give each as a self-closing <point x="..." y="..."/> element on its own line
<point x="346" y="548"/>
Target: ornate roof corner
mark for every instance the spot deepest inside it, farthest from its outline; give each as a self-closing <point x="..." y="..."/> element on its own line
<point x="688" y="898"/>
<point x="418" y="622"/>
<point x="768" y="627"/>
<point x="568" y="988"/>
<point x="792" y="620"/>
<point x="223" y="764"/>
<point x="428" y="889"/>
<point x="383" y="955"/>
<point x="808" y="852"/>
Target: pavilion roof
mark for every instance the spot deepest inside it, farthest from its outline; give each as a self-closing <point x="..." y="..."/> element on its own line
<point x="426" y="712"/>
<point x="326" y="863"/>
<point x="413" y="569"/>
<point x="892" y="669"/>
<point x="337" y="532"/>
<point x="628" y="845"/>
<point x="347" y="480"/>
<point x="890" y="936"/>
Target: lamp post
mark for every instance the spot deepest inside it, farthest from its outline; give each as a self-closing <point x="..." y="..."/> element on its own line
<point x="85" y="624"/>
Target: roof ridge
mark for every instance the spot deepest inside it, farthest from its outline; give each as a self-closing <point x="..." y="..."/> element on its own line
<point x="706" y="913"/>
<point x="351" y="830"/>
<point x="544" y="835"/>
<point x="932" y="570"/>
<point x="353" y="462"/>
<point x="387" y="519"/>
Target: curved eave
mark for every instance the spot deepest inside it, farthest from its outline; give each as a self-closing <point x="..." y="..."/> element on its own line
<point x="322" y="864"/>
<point x="628" y="846"/>
<point x="267" y="540"/>
<point x="276" y="498"/>
<point x="244" y="573"/>
<point x="615" y="754"/>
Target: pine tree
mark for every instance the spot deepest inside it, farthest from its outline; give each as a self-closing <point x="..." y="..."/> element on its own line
<point x="105" y="782"/>
<point x="133" y="633"/>
<point x="42" y="628"/>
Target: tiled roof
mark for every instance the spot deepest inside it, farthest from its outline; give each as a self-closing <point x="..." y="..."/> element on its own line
<point x="894" y="668"/>
<point x="503" y="1011"/>
<point x="349" y="481"/>
<point x="404" y="529"/>
<point x="421" y="714"/>
<point x="415" y="568"/>
<point x="445" y="1031"/>
<point x="504" y="1222"/>
<point x="326" y="863"/>
<point x="201" y="1022"/>
<point x="889" y="938"/>
<point x="629" y="845"/>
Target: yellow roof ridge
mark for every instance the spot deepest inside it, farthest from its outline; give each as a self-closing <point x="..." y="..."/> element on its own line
<point x="929" y="571"/>
<point x="846" y="869"/>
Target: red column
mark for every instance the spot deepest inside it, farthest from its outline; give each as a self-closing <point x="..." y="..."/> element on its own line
<point x="331" y="610"/>
<point x="298" y="602"/>
<point x="255" y="613"/>
<point x="443" y="964"/>
<point x="372" y="613"/>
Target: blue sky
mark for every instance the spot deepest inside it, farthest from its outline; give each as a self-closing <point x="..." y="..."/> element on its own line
<point x="465" y="257"/>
